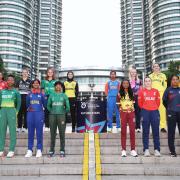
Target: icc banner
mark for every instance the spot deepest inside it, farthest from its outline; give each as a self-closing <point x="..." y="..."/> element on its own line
<point x="91" y="116"/>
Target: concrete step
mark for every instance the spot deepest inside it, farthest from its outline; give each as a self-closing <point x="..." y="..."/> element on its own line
<point x="47" y="177"/>
<point x="116" y="150"/>
<point x="117" y="159"/>
<point x="76" y="150"/>
<point x="139" y="177"/>
<point x="20" y="160"/>
<point x="38" y="170"/>
<point x="141" y="169"/>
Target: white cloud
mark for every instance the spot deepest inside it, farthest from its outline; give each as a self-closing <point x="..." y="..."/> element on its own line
<point x="91" y="33"/>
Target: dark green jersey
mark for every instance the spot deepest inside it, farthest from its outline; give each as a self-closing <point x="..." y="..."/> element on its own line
<point x="58" y="103"/>
<point x="10" y="98"/>
<point x="48" y="86"/>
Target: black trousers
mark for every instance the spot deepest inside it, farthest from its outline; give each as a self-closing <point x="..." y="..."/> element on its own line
<point x="72" y="102"/>
<point x="137" y="115"/>
<point x="22" y="122"/>
<point x="173" y="118"/>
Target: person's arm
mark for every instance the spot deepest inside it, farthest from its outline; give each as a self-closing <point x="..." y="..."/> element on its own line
<point x="140" y="99"/>
<point x="165" y="81"/>
<point x="49" y="103"/>
<point x="158" y="98"/>
<point x="43" y="87"/>
<point x="27" y="101"/>
<point x="0" y="98"/>
<point x="44" y="100"/>
<point x="165" y="98"/>
<point x="106" y="89"/>
<point x="67" y="103"/>
<point x="77" y="90"/>
<point x="18" y="101"/>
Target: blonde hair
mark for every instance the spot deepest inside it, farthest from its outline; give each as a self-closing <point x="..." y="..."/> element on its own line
<point x="130" y="69"/>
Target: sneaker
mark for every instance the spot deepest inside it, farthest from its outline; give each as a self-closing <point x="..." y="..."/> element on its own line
<point x="123" y="153"/>
<point x="138" y="130"/>
<point x="73" y="130"/>
<point x="18" y="130"/>
<point x="46" y="129"/>
<point x="134" y="153"/>
<point x="1" y="154"/>
<point x="62" y="154"/>
<point x="109" y="130"/>
<point x="10" y="154"/>
<point x="173" y="154"/>
<point x="118" y="130"/>
<point x="23" y="130"/>
<point x="28" y="154"/>
<point x="163" y="130"/>
<point x="157" y="153"/>
<point x="38" y="153"/>
<point x="51" y="153"/>
<point x="147" y="153"/>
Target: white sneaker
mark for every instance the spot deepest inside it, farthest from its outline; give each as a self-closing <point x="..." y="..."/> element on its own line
<point x="134" y="153"/>
<point x="147" y="153"/>
<point x="28" y="154"/>
<point x="38" y="153"/>
<point x="23" y="130"/>
<point x="18" y="130"/>
<point x="1" y="154"/>
<point x="138" y="130"/>
<point x="118" y="130"/>
<point x="157" y="153"/>
<point x="123" y="153"/>
<point x="109" y="130"/>
<point x="46" y="129"/>
<point x="10" y="154"/>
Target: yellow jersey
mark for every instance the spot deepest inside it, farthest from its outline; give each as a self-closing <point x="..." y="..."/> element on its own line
<point x="70" y="88"/>
<point x="126" y="104"/>
<point x="159" y="81"/>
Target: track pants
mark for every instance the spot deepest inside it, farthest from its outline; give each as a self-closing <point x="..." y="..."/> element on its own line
<point x="35" y="121"/>
<point x="8" y="118"/>
<point x="127" y="119"/>
<point x="137" y="115"/>
<point x="150" y="118"/>
<point x="22" y="120"/>
<point x="162" y="112"/>
<point x="173" y="119"/>
<point x="111" y="108"/>
<point x="57" y="120"/>
<point x="72" y="102"/>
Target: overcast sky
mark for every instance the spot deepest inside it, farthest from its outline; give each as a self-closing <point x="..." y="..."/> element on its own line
<point x="91" y="33"/>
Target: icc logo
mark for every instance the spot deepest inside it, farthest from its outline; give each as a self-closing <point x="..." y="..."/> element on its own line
<point x="83" y="105"/>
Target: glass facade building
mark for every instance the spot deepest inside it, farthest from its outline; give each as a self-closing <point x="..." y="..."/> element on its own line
<point x="164" y="31"/>
<point x="16" y="26"/>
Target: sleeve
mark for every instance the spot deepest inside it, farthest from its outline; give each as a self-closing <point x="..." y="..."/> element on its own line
<point x="17" y="84"/>
<point x="158" y="100"/>
<point x="140" y="99"/>
<point x="77" y="90"/>
<point x="165" y="98"/>
<point x="44" y="100"/>
<point x="18" y="101"/>
<point x="164" y="81"/>
<point x="0" y="97"/>
<point x="106" y="89"/>
<point x="67" y="103"/>
<point x="64" y="87"/>
<point x="49" y="103"/>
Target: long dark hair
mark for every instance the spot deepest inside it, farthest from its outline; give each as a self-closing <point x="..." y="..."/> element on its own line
<point x="122" y="91"/>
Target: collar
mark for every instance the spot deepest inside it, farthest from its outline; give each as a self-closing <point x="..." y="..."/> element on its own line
<point x="36" y="91"/>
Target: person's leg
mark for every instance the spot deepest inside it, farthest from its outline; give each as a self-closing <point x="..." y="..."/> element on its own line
<point x="131" y="122"/>
<point x="24" y="111"/>
<point x="62" y="127"/>
<point x="46" y="120"/>
<point x="73" y="113"/>
<point x="146" y="125"/>
<point x="178" y="121"/>
<point x="123" y="129"/>
<point x="20" y="114"/>
<point x="39" y="116"/>
<point x="31" y="129"/>
<point x="116" y="109"/>
<point x="155" y="120"/>
<point x="109" y="112"/>
<point x="53" y="128"/>
<point x="11" y="116"/>
<point x="3" y="128"/>
<point x="171" y="116"/>
<point x="137" y="115"/>
<point x="162" y="112"/>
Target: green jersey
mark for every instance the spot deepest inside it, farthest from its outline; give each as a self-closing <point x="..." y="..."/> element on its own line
<point x="10" y="98"/>
<point x="48" y="86"/>
<point x="58" y="103"/>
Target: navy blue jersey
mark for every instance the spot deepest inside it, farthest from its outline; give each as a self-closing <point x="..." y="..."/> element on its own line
<point x="171" y="99"/>
<point x="35" y="102"/>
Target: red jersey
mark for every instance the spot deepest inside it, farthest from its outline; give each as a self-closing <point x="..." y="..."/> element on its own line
<point x="149" y="99"/>
<point x="3" y="85"/>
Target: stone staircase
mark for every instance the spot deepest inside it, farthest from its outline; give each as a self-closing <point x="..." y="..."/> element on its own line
<point x="69" y="167"/>
<point x="114" y="167"/>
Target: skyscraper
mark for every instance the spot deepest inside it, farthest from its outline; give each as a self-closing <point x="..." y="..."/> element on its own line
<point x="16" y="25"/>
<point x="132" y="32"/>
<point x="50" y="35"/>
